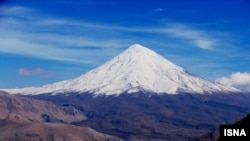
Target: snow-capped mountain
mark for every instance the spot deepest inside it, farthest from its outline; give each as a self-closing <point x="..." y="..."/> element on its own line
<point x="136" y="69"/>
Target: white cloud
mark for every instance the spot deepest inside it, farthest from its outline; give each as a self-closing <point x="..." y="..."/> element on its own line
<point x="14" y="10"/>
<point x="158" y="9"/>
<point x="60" y="39"/>
<point x="47" y="51"/>
<point x="204" y="43"/>
<point x="200" y="38"/>
<point x="239" y="80"/>
<point x="38" y="71"/>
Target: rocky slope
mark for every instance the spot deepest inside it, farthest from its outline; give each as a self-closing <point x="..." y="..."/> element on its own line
<point x="27" y="119"/>
<point x="36" y="131"/>
<point x="26" y="109"/>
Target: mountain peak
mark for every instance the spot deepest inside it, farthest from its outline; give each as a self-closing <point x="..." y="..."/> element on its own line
<point x="144" y="56"/>
<point x="137" y="50"/>
<point x="135" y="69"/>
<point x="137" y="47"/>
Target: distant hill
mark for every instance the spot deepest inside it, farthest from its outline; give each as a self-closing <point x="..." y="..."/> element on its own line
<point x="27" y="119"/>
<point x="18" y="108"/>
<point x="37" y="131"/>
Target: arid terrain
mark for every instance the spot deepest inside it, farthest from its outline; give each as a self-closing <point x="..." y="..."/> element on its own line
<point x="27" y="119"/>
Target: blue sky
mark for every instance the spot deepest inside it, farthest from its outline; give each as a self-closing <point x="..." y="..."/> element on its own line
<point x="47" y="41"/>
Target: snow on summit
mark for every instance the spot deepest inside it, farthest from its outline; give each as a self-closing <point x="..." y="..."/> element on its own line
<point x="135" y="69"/>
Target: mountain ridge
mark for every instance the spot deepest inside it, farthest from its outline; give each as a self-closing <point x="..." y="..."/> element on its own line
<point x="29" y="119"/>
<point x="18" y="108"/>
<point x="137" y="68"/>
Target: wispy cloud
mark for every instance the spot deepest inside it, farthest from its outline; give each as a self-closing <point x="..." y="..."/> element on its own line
<point x="240" y="80"/>
<point x="69" y="40"/>
<point x="52" y="39"/>
<point x="14" y="10"/>
<point x="158" y="9"/>
<point x="38" y="71"/>
<point x="196" y="36"/>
